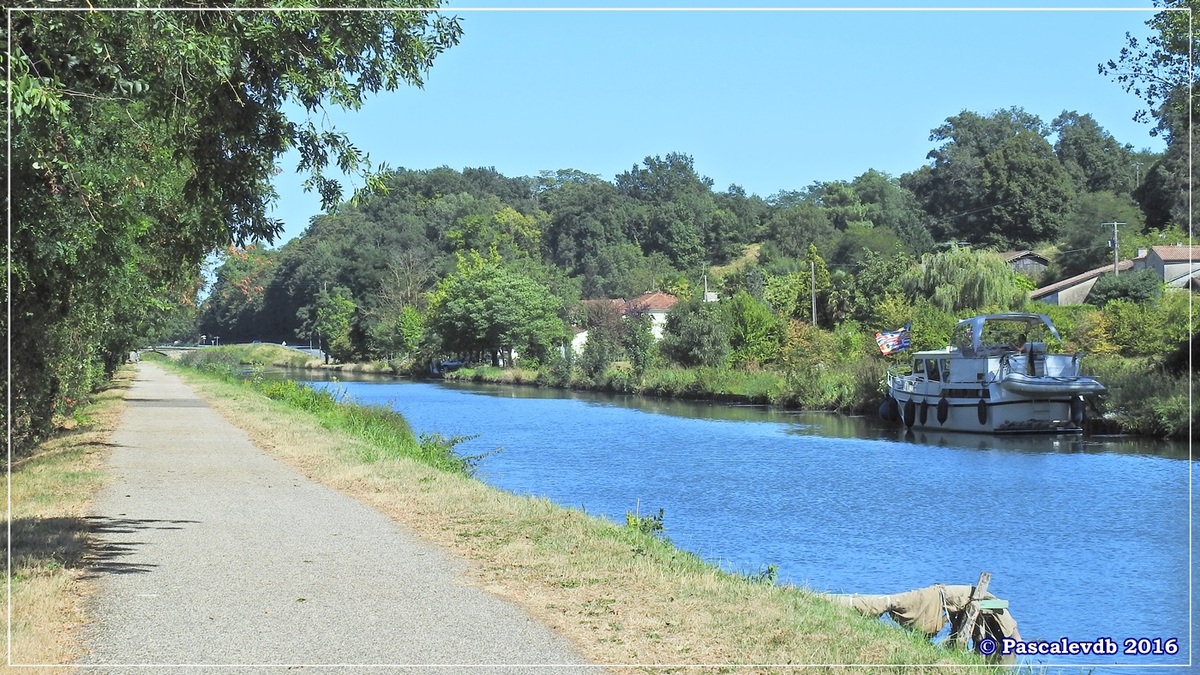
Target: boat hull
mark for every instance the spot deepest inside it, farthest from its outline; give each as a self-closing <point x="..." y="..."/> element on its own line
<point x="1014" y="416"/>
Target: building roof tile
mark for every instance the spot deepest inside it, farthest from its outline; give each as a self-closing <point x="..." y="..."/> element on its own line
<point x="655" y="301"/>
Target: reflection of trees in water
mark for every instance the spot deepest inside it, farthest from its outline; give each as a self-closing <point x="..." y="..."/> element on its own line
<point x="800" y="423"/>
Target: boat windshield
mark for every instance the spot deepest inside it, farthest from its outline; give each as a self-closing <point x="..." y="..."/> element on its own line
<point x="1011" y="333"/>
<point x="999" y="333"/>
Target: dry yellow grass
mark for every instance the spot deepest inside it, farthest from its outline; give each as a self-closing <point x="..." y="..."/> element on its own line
<point x="625" y="599"/>
<point x="50" y="493"/>
<point x="749" y="256"/>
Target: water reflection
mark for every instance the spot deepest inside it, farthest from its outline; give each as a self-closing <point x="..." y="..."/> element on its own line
<point x="799" y="423"/>
<point x="1034" y="443"/>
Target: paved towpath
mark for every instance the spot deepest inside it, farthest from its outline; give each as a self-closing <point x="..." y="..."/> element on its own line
<point x="214" y="554"/>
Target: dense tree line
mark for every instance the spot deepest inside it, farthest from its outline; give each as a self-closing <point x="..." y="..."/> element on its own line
<point x="862" y="247"/>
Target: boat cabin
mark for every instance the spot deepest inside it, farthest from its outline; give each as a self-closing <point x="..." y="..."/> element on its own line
<point x="1001" y="373"/>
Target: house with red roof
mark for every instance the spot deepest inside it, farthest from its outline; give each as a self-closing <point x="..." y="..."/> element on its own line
<point x="657" y="304"/>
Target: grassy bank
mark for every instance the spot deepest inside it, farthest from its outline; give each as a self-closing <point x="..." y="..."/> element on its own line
<point x="1142" y="398"/>
<point x="853" y="389"/>
<point x="50" y="493"/>
<point x="621" y="594"/>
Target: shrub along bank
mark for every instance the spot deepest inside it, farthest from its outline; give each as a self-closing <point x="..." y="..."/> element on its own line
<point x="1144" y="397"/>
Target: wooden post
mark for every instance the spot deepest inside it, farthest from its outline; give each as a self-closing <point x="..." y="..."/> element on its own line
<point x="971" y="615"/>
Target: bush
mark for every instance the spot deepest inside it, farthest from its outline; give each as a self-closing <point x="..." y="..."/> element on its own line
<point x="1142" y="398"/>
<point x="696" y="335"/>
<point x="1142" y="285"/>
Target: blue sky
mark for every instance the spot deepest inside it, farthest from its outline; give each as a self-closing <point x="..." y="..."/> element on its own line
<point x="767" y="100"/>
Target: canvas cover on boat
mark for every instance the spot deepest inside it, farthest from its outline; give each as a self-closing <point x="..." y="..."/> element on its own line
<point x="925" y="609"/>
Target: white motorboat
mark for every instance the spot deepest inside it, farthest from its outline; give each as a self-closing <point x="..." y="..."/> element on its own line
<point x="995" y="377"/>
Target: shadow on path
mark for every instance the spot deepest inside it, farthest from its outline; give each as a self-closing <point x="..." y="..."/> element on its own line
<point x="97" y="545"/>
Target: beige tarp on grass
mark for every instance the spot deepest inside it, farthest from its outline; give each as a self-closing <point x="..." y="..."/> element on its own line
<point x="926" y="609"/>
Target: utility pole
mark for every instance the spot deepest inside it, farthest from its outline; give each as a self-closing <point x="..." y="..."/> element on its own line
<point x="812" y="268"/>
<point x="1116" y="246"/>
<point x="1137" y="174"/>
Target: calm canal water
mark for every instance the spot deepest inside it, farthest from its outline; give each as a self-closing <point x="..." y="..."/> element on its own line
<point x="1085" y="537"/>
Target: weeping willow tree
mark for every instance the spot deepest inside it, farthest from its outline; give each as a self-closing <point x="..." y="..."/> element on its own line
<point x="964" y="279"/>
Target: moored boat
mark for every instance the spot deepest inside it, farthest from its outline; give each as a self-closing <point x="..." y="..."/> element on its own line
<point x="997" y="376"/>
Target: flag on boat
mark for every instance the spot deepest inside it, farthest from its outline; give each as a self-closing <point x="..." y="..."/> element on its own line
<point x="893" y="341"/>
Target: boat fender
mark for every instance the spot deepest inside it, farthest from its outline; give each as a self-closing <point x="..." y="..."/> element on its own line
<point x="943" y="410"/>
<point x="924" y="410"/>
<point x="889" y="410"/>
<point x="1077" y="411"/>
<point x="910" y="410"/>
<point x="982" y="410"/>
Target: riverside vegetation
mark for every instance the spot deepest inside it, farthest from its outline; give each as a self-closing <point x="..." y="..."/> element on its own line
<point x="119" y="194"/>
<point x="620" y="592"/>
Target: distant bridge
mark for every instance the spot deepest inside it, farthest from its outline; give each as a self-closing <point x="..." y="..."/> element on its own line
<point x="176" y="351"/>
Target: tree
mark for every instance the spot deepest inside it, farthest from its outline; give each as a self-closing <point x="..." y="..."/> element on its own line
<point x="952" y="189"/>
<point x="144" y="140"/>
<point x="1160" y="71"/>
<point x="1027" y="191"/>
<point x="889" y="204"/>
<point x="876" y="283"/>
<point x="399" y="335"/>
<point x="1086" y="240"/>
<point x="235" y="305"/>
<point x="676" y="213"/>
<point x="638" y="341"/>
<point x="484" y="308"/>
<point x="1140" y="286"/>
<point x="333" y="318"/>
<point x="841" y="203"/>
<point x="819" y="280"/>
<point x="755" y="333"/>
<point x="1157" y="195"/>
<point x="696" y="335"/>
<point x="963" y="279"/>
<point x="794" y="226"/>
<point x="585" y="233"/>
<point x="1094" y="159"/>
<point x="603" y="346"/>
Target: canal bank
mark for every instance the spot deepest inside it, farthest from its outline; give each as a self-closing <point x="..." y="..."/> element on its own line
<point x="1084" y="536"/>
<point x="1143" y="398"/>
<point x="621" y="595"/>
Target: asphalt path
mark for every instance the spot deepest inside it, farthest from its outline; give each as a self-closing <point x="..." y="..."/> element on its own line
<point x="214" y="558"/>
